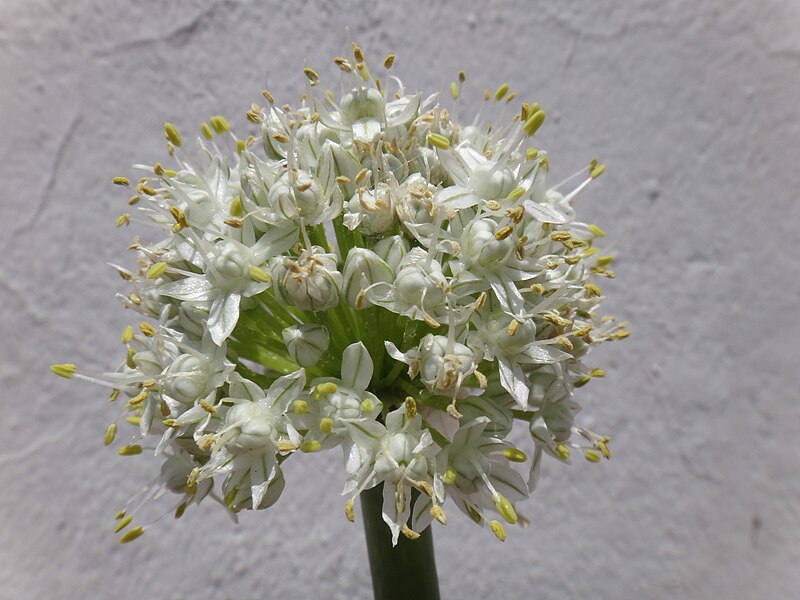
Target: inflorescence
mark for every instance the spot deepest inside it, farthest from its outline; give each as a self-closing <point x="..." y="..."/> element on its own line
<point x="362" y="272"/>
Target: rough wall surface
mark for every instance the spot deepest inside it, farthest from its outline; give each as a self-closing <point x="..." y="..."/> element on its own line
<point x="694" y="106"/>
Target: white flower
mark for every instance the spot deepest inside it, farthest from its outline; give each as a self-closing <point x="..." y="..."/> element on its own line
<point x="311" y="282"/>
<point x="306" y="343"/>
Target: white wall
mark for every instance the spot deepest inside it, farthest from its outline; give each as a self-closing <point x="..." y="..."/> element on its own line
<point x="694" y="106"/>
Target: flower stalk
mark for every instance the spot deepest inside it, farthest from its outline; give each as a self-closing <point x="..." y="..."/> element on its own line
<point x="407" y="570"/>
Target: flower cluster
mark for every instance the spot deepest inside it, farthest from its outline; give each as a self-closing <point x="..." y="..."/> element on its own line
<point x="364" y="273"/>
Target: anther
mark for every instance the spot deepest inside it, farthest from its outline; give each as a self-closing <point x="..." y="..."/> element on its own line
<point x="311" y="74"/>
<point x="131" y="535"/>
<point x="123" y="523"/>
<point x="121" y="181"/>
<point x="500" y="92"/>
<point x="171" y="134"/>
<point x="411" y="408"/>
<point x="300" y="407"/>
<point x="326" y="425"/>
<point x="514" y="455"/>
<point x="259" y="274"/>
<point x="596" y="230"/>
<point x="532" y="125"/>
<point x="438" y="514"/>
<point x="111" y="433"/>
<point x="310" y="446"/>
<point x="147" y="329"/>
<point x="591" y="456"/>
<point x="388" y="61"/>
<point x="131" y="450"/>
<point x="497" y="530"/>
<point x="156" y="270"/>
<point x="348" y="511"/>
<point x="503" y="232"/>
<point x="439" y="141"/>
<point x="220" y="124"/>
<point x="205" y="130"/>
<point x="325" y="388"/>
<point x="409" y="533"/>
<point x="63" y="370"/>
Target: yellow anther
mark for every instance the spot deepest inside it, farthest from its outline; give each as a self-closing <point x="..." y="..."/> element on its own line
<point x="130" y="450"/>
<point x="604" y="261"/>
<point x="111" y="433"/>
<point x="361" y="175"/>
<point x="486" y="94"/>
<point x="259" y="274"/>
<point x="133" y="420"/>
<point x="454" y="90"/>
<point x="342" y="179"/>
<point x="621" y="335"/>
<point x="411" y="408"/>
<point x="562" y="451"/>
<point x="63" y="370"/>
<point x="131" y="535"/>
<point x="450" y="476"/>
<point x="311" y="74"/>
<point x="147" y="329"/>
<point x="168" y="422"/>
<point x="590" y="251"/>
<point x="268" y="96"/>
<point x="582" y="331"/>
<point x="596" y="171"/>
<point x="497" y="530"/>
<point x="325" y="388"/>
<point x="119" y="514"/>
<point x="138" y="398"/>
<point x="503" y="232"/>
<point x="597" y="373"/>
<point x="505" y="508"/>
<point x="121" y="181"/>
<point x="123" y="219"/>
<point x="240" y="146"/>
<point x="207" y="407"/>
<point x="280" y="138"/>
<point x="285" y="446"/>
<point x="409" y="533"/>
<point x="571" y="260"/>
<point x="219" y="123"/>
<point x="388" y="61"/>
<point x="129" y="358"/>
<point x="326" y="425"/>
<point x="300" y="407"/>
<point x="362" y="70"/>
<point x="366" y="405"/>
<point x="180" y="509"/>
<point x="601" y="445"/>
<point x="557" y="320"/>
<point x="158" y="169"/>
<point x="512" y="328"/>
<point x="123" y="523"/>
<point x="532" y="125"/>
<point x="592" y="289"/>
<point x="113" y="395"/>
<point x="234" y="222"/>
<point x="462" y="76"/>
<point x="133" y="200"/>
<point x="591" y="456"/>
<point x="205" y="131"/>
<point x="493" y="205"/>
<point x="561" y="236"/>
<point x="156" y="270"/>
<point x="357" y="53"/>
<point x="596" y="230"/>
<point x="581" y="381"/>
<point x="438" y="140"/>
<point x="438" y="514"/>
<point x="514" y="455"/>
<point x="147" y="190"/>
<point x="348" y="511"/>
<point x="531" y="153"/>
<point x="171" y="133"/>
<point x="564" y="343"/>
<point x="343" y="64"/>
<point x="516" y="194"/>
<point x="310" y="446"/>
<point x="500" y="92"/>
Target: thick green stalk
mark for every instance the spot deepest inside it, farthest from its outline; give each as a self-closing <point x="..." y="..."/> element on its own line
<point x="406" y="571"/>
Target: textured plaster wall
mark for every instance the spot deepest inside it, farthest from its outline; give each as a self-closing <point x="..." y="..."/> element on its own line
<point x="694" y="106"/>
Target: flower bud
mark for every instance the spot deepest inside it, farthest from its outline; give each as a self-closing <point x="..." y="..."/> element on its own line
<point x="362" y="268"/>
<point x="371" y="210"/>
<point x="362" y="104"/>
<point x="481" y="248"/>
<point x="490" y="181"/>
<point x="392" y="249"/>
<point x="415" y="276"/>
<point x="441" y="366"/>
<point x="311" y="282"/>
<point x="306" y="343"/>
<point x="299" y="196"/>
<point x="415" y="202"/>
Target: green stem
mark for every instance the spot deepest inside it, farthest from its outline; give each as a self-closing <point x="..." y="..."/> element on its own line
<point x="405" y="571"/>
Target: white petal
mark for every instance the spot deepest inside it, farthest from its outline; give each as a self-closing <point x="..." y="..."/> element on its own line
<point x="512" y="379"/>
<point x="356" y="367"/>
<point x="223" y="316"/>
<point x="194" y="289"/>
